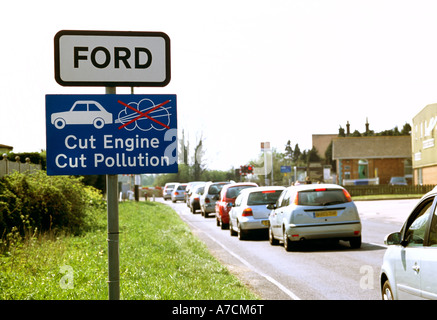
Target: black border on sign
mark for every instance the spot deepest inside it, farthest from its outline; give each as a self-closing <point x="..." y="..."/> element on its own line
<point x="113" y="83"/>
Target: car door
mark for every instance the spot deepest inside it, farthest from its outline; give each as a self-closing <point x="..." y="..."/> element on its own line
<point x="408" y="264"/>
<point x="428" y="265"/>
<point x="278" y="213"/>
<point x="235" y="210"/>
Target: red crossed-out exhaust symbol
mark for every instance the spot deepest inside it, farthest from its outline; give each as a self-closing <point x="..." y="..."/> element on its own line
<point x="143" y="114"/>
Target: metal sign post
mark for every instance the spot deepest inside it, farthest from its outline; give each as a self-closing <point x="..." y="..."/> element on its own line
<point x="113" y="231"/>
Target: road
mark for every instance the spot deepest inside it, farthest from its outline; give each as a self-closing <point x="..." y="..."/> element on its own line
<point x="316" y="271"/>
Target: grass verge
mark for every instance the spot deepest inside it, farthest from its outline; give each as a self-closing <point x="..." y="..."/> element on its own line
<point x="160" y="259"/>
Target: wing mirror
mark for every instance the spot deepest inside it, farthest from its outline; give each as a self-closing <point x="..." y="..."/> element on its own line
<point x="393" y="239"/>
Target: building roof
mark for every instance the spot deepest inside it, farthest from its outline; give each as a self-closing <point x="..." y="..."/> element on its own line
<point x="375" y="147"/>
<point x="3" y="146"/>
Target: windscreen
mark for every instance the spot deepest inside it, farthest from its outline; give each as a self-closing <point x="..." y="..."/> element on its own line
<point x="263" y="197"/>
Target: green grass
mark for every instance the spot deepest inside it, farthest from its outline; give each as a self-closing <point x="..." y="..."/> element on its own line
<point x="159" y="259"/>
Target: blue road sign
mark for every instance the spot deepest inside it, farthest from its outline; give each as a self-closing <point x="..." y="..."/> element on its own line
<point x="285" y="169"/>
<point x="111" y="134"/>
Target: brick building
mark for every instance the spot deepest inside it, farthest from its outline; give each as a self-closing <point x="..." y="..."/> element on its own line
<point x="372" y="157"/>
<point x="423" y="146"/>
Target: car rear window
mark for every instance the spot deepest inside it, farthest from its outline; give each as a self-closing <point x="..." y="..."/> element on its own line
<point x="263" y="197"/>
<point x="215" y="188"/>
<point x="233" y="192"/>
<point x="321" y="197"/>
<point x="182" y="187"/>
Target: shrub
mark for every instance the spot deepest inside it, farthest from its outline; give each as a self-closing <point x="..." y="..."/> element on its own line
<point x="45" y="203"/>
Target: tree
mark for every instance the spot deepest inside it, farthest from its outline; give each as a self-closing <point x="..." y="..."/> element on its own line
<point x="198" y="166"/>
<point x="288" y="151"/>
<point x="296" y="154"/>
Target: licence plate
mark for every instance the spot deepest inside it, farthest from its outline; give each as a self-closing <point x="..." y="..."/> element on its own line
<point x="265" y="222"/>
<point x="322" y="214"/>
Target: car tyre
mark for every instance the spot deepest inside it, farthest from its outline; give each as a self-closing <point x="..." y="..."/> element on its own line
<point x="242" y="234"/>
<point x="387" y="293"/>
<point x="355" y="243"/>
<point x="288" y="244"/>
<point x="272" y="240"/>
<point x="231" y="230"/>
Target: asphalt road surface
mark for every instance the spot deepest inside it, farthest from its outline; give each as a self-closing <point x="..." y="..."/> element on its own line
<point x="316" y="271"/>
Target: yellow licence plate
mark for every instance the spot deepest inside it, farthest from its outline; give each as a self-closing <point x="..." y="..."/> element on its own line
<point x="265" y="222"/>
<point x="322" y="214"/>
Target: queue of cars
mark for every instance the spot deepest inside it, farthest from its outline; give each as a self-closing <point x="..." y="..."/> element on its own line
<point x="326" y="211"/>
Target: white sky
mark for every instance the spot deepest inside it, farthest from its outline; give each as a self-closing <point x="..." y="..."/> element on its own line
<point x="244" y="71"/>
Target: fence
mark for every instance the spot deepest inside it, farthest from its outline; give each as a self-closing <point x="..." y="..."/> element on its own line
<point x="387" y="189"/>
<point x="7" y="166"/>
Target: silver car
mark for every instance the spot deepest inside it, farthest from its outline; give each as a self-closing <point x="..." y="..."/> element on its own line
<point x="314" y="211"/>
<point x="410" y="262"/>
<point x="168" y="189"/>
<point x="178" y="193"/>
<point x="249" y="212"/>
<point x="210" y="196"/>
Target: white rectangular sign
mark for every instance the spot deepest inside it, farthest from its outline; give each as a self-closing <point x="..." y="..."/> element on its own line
<point x="112" y="58"/>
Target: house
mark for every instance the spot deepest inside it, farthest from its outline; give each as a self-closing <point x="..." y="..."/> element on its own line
<point x="372" y="157"/>
<point x="423" y="146"/>
<point x="5" y="149"/>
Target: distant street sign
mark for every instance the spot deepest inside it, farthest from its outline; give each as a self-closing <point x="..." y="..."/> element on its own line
<point x="112" y="58"/>
<point x="285" y="169"/>
<point x="111" y="134"/>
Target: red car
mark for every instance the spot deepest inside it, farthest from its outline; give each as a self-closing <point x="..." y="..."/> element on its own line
<point x="227" y="195"/>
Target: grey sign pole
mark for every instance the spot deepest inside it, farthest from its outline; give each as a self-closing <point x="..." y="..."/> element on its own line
<point x="113" y="230"/>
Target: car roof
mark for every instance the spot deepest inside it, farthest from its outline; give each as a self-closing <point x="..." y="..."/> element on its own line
<point x="239" y="184"/>
<point x="263" y="188"/>
<point x="315" y="186"/>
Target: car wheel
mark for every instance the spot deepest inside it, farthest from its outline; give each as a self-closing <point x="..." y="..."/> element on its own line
<point x="272" y="239"/>
<point x="217" y="222"/>
<point x="242" y="234"/>
<point x="224" y="226"/>
<point x="387" y="293"/>
<point x="231" y="230"/>
<point x="59" y="123"/>
<point x="355" y="243"/>
<point x="287" y="242"/>
<point x="98" y="123"/>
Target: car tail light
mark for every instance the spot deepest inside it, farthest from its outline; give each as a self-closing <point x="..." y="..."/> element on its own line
<point x="206" y="200"/>
<point x="196" y="199"/>
<point x="269" y="191"/>
<point x="176" y="193"/>
<point x="247" y="212"/>
<point x="296" y="200"/>
<point x="347" y="195"/>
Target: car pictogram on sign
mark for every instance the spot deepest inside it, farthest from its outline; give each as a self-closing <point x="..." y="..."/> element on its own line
<point x="83" y="112"/>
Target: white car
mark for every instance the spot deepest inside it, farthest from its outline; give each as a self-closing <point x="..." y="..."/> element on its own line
<point x="82" y="112"/>
<point x="314" y="211"/>
<point x="249" y="212"/>
<point x="410" y="262"/>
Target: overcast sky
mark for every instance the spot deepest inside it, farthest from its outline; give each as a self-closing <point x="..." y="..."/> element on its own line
<point x="243" y="71"/>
